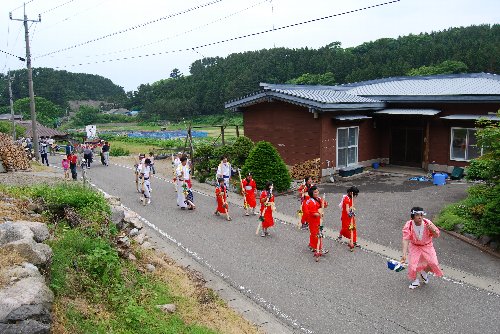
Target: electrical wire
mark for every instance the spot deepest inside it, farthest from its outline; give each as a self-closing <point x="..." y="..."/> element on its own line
<point x="10" y="54"/>
<point x="179" y="34"/>
<point x="54" y="8"/>
<point x="233" y="38"/>
<point x="22" y="5"/>
<point x="72" y="16"/>
<point x="132" y="28"/>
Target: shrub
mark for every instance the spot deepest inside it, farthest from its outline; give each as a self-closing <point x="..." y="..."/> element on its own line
<point x="204" y="161"/>
<point x="241" y="148"/>
<point x="118" y="151"/>
<point x="6" y="127"/>
<point x="265" y="163"/>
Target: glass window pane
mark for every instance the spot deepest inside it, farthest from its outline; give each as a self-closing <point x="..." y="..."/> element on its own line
<point x="352" y="155"/>
<point x="473" y="151"/>
<point x="342" y="138"/>
<point x="353" y="136"/>
<point x="458" y="143"/>
<point x="342" y="157"/>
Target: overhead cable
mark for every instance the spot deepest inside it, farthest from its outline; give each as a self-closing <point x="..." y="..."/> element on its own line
<point x="10" y="54"/>
<point x="71" y="16"/>
<point x="233" y="38"/>
<point x="132" y="28"/>
<point x="22" y="5"/>
<point x="54" y="8"/>
<point x="180" y="34"/>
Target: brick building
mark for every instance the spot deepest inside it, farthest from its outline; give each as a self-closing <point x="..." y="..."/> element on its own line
<point x="426" y="122"/>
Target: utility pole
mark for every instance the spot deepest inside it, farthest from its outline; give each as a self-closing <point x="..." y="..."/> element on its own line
<point x="12" y="108"/>
<point x="34" y="131"/>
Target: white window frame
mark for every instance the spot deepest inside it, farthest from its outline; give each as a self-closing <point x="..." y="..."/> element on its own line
<point x="466" y="144"/>
<point x="348" y="146"/>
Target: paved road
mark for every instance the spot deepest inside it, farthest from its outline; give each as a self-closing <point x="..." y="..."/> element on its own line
<point x="344" y="293"/>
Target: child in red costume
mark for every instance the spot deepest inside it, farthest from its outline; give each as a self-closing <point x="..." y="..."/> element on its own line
<point x="304" y="197"/>
<point x="348" y="215"/>
<point x="249" y="187"/>
<point x="266" y="208"/>
<point x="221" y="197"/>
<point x="314" y="213"/>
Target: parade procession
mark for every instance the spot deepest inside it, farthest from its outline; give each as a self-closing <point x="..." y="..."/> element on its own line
<point x="418" y="255"/>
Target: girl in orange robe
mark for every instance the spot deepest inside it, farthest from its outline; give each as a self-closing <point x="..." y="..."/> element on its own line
<point x="348" y="215"/>
<point x="249" y="186"/>
<point x="266" y="208"/>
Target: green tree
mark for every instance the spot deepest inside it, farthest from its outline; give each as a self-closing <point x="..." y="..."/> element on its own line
<point x="265" y="164"/>
<point x="240" y="150"/>
<point x="326" y="79"/>
<point x="46" y="112"/>
<point x="6" y="127"/>
<point x="446" y="67"/>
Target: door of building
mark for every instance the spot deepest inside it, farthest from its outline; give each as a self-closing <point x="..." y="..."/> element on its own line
<point x="407" y="146"/>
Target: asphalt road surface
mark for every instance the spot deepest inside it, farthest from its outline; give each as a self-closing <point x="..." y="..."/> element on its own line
<point x="344" y="293"/>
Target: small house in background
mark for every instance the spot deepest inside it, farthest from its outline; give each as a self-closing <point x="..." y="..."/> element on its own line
<point x="8" y="117"/>
<point x="42" y="131"/>
<point x="426" y="122"/>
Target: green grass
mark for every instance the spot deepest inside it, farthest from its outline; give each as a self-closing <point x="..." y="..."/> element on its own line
<point x="95" y="290"/>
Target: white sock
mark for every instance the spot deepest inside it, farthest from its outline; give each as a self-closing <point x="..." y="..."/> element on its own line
<point x="424" y="275"/>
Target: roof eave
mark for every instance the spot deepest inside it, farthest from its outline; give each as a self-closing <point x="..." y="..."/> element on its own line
<point x="437" y="98"/>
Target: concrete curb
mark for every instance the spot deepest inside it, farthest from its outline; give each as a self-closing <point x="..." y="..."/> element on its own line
<point x="472" y="242"/>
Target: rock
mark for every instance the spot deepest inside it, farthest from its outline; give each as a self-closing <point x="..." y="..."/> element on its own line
<point x="167" y="308"/>
<point x="27" y="291"/>
<point x="136" y="223"/>
<point x="458" y="228"/>
<point x="25" y="327"/>
<point x="128" y="215"/>
<point x="124" y="242"/>
<point x="19" y="238"/>
<point x="147" y="245"/>
<point x="113" y="200"/>
<point x="470" y="236"/>
<point x="117" y="215"/>
<point x="40" y="230"/>
<point x="133" y="232"/>
<point x="35" y="207"/>
<point x="132" y="257"/>
<point x="150" y="267"/>
<point x="484" y="239"/>
<point x="141" y="238"/>
<point x="38" y="312"/>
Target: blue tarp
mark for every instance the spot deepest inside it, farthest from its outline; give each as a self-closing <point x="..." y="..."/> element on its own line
<point x="165" y="134"/>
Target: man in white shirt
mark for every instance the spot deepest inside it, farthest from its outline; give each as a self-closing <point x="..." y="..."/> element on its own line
<point x="50" y="144"/>
<point x="175" y="163"/>
<point x="224" y="171"/>
<point x="183" y="181"/>
<point x="146" y="183"/>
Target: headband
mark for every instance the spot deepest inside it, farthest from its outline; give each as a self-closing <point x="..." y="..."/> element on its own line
<point x="413" y="212"/>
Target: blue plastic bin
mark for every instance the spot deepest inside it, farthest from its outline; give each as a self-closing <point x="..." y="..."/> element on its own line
<point x="439" y="179"/>
<point x="375" y="165"/>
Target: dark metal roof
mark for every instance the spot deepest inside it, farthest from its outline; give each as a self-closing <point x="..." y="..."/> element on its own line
<point x="42" y="131"/>
<point x="464" y="88"/>
<point x="450" y="87"/>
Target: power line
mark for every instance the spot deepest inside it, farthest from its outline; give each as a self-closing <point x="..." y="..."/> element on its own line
<point x="22" y="5"/>
<point x="71" y="16"/>
<point x="179" y="34"/>
<point x="54" y="8"/>
<point x="10" y="54"/>
<point x="193" y="48"/>
<point x="132" y="28"/>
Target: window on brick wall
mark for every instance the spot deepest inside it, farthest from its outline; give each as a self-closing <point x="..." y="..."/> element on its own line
<point x="347" y="146"/>
<point x="463" y="146"/>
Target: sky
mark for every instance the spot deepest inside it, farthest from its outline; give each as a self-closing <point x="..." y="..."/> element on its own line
<point x="139" y="42"/>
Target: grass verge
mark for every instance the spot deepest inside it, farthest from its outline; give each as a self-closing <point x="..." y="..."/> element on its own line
<point x="97" y="291"/>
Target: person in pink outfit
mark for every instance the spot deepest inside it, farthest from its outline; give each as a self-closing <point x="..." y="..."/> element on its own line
<point x="65" y="166"/>
<point x="417" y="243"/>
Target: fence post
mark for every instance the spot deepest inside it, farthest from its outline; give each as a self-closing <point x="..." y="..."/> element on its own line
<point x="237" y="132"/>
<point x="222" y="135"/>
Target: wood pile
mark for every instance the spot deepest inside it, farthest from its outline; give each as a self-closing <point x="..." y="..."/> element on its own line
<point x="13" y="155"/>
<point x="308" y="168"/>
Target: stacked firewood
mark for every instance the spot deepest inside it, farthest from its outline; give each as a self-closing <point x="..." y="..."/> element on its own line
<point x="12" y="154"/>
<point x="308" y="168"/>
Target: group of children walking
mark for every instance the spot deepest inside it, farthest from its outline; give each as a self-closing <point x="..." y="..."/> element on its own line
<point x="418" y="232"/>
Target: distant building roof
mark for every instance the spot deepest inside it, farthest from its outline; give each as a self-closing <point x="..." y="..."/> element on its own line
<point x="423" y="112"/>
<point x="43" y="131"/>
<point x="8" y="117"/>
